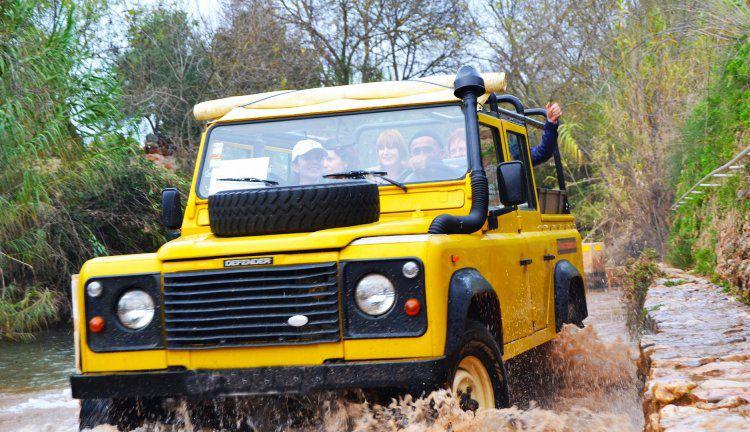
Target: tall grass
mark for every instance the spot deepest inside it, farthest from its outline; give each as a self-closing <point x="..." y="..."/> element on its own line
<point x="72" y="183"/>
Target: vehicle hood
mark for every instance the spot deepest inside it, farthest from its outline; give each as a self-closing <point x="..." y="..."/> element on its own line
<point x="207" y="245"/>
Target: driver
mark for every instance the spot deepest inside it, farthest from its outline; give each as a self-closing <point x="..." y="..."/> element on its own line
<point x="426" y="160"/>
<point x="307" y="162"/>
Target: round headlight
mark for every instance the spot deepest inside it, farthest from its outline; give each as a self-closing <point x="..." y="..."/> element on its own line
<point x="135" y="309"/>
<point x="94" y="289"/>
<point x="410" y="269"/>
<point x="375" y="294"/>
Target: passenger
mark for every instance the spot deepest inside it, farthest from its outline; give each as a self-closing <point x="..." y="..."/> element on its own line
<point x="340" y="159"/>
<point x="457" y="143"/>
<point x="426" y="160"/>
<point x="307" y="162"/>
<point x="391" y="153"/>
<point x="545" y="149"/>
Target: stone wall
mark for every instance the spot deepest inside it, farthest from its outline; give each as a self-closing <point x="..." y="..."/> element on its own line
<point x="697" y="357"/>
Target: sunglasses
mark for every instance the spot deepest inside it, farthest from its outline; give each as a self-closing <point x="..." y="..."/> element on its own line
<point x="423" y="150"/>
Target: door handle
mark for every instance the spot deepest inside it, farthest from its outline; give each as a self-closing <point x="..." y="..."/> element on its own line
<point x="525" y="262"/>
<point x="549" y="257"/>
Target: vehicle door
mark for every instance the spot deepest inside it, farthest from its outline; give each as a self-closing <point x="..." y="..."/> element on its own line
<point x="537" y="262"/>
<point x="505" y="245"/>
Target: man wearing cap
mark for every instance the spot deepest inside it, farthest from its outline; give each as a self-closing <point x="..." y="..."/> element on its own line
<point x="307" y="162"/>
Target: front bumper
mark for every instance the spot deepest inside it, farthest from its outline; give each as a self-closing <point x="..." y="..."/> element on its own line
<point x="416" y="375"/>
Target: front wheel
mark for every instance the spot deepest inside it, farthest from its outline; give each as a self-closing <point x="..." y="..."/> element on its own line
<point x="478" y="376"/>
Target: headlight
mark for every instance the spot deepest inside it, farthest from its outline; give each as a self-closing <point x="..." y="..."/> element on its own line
<point x="374" y="294"/>
<point x="135" y="309"/>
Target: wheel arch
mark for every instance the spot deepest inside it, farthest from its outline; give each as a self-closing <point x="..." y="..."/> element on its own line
<point x="568" y="285"/>
<point x="471" y="296"/>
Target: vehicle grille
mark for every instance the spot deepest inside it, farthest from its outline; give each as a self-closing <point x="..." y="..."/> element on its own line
<point x="251" y="306"/>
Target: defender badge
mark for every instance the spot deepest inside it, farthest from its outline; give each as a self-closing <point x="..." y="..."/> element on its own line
<point x="246" y="262"/>
<point x="297" y="320"/>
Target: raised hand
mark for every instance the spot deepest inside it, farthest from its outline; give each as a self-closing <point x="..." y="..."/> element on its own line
<point x="553" y="112"/>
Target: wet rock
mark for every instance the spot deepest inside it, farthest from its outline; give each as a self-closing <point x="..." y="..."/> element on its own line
<point x="699" y="376"/>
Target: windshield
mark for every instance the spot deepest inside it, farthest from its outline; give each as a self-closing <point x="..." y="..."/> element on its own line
<point x="410" y="145"/>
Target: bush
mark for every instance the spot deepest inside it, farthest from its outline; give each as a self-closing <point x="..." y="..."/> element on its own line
<point x="73" y="185"/>
<point x="715" y="130"/>
<point x="637" y="277"/>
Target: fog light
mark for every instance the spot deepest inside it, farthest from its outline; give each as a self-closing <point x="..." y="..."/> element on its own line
<point x="94" y="289"/>
<point x="135" y="309"/>
<point x="412" y="307"/>
<point x="96" y="324"/>
<point x="410" y="269"/>
<point x="375" y="294"/>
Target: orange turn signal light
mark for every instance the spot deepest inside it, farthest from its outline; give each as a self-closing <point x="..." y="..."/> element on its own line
<point x="96" y="324"/>
<point x="412" y="307"/>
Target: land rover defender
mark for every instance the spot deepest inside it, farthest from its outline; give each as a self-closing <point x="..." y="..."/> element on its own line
<point x="310" y="258"/>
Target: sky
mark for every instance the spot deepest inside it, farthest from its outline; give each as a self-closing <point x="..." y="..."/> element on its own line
<point x="205" y="11"/>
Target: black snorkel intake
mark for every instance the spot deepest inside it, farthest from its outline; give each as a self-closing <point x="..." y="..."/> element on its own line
<point x="468" y="86"/>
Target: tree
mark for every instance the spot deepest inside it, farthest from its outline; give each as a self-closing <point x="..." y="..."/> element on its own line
<point x="547" y="47"/>
<point x="164" y="72"/>
<point x="254" y="52"/>
<point x="368" y="40"/>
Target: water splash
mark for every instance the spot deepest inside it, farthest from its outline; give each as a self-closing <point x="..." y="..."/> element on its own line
<point x="578" y="382"/>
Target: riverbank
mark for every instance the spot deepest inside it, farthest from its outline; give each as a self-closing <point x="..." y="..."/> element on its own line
<point x="698" y="357"/>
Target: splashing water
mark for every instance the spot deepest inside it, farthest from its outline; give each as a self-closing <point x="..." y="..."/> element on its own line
<point x="578" y="382"/>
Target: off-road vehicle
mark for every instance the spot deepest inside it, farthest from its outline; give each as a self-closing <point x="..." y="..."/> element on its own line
<point x="428" y="276"/>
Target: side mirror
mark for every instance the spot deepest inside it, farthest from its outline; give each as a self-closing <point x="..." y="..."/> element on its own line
<point x="171" y="209"/>
<point x="511" y="183"/>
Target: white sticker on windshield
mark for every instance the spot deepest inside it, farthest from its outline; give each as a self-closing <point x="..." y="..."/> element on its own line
<point x="227" y="175"/>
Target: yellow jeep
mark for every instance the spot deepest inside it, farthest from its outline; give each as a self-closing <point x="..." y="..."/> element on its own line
<point x="383" y="236"/>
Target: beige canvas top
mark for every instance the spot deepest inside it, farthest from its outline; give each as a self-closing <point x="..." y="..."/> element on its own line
<point x="352" y="97"/>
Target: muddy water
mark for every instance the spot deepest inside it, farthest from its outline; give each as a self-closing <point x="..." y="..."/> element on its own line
<point x="585" y="381"/>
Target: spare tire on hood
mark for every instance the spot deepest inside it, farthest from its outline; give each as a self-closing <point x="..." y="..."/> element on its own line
<point x="288" y="209"/>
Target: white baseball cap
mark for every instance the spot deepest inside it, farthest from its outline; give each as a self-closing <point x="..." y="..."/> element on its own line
<point x="306" y="146"/>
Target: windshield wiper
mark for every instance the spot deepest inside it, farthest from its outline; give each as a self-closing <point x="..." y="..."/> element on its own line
<point x="250" y="180"/>
<point x="363" y="174"/>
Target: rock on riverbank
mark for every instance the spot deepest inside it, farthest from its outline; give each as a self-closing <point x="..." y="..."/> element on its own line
<point x="699" y="357"/>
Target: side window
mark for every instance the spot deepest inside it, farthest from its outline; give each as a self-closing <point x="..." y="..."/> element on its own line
<point x="518" y="151"/>
<point x="489" y="139"/>
<point x="544" y="173"/>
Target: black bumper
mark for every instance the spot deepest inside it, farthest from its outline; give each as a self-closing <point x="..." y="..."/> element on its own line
<point x="419" y="375"/>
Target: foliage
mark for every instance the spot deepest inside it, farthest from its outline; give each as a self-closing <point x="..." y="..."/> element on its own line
<point x="716" y="129"/>
<point x="370" y="40"/>
<point x="72" y="185"/>
<point x="163" y="73"/>
<point x="637" y="276"/>
<point x="24" y="311"/>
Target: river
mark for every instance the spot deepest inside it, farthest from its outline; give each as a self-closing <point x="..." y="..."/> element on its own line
<point x="589" y="383"/>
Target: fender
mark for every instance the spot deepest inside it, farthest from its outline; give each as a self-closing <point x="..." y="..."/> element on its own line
<point x="471" y="293"/>
<point x="567" y="278"/>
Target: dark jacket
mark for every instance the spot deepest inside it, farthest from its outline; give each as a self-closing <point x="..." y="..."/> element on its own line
<point x="542" y="152"/>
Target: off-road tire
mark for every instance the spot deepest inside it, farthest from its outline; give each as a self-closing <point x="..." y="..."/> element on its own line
<point x="125" y="414"/>
<point x="94" y="412"/>
<point x="574" y="312"/>
<point x="478" y="341"/>
<point x="289" y="209"/>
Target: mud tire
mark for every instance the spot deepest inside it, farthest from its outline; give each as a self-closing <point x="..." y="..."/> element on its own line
<point x="94" y="412"/>
<point x="573" y="317"/>
<point x="278" y="210"/>
<point x="125" y="414"/>
<point x="477" y="341"/>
